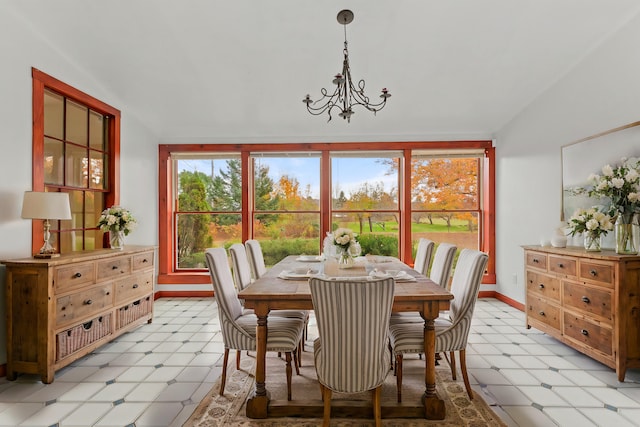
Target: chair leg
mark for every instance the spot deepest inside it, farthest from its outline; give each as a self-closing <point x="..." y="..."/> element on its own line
<point x="326" y="397"/>
<point x="465" y="376"/>
<point x="452" y="362"/>
<point x="238" y="354"/>
<point x="223" y="377"/>
<point x="296" y="356"/>
<point x="300" y="349"/>
<point x="399" y="376"/>
<point x="288" y="358"/>
<point x="377" y="411"/>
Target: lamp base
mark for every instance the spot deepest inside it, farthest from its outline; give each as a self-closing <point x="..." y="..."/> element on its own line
<point x="46" y="256"/>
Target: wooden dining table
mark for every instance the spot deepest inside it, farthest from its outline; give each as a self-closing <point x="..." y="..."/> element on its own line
<point x="272" y="292"/>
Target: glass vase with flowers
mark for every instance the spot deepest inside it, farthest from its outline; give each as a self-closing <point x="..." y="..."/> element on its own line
<point x="593" y="224"/>
<point x="119" y="222"/>
<point x="347" y="247"/>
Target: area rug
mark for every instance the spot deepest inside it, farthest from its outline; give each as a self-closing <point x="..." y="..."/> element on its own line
<point x="229" y="410"/>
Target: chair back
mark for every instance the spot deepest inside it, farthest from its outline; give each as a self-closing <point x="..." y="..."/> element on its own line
<point x="465" y="287"/>
<point x="229" y="307"/>
<point x="423" y="256"/>
<point x="241" y="267"/>
<point x="353" y="320"/>
<point x="442" y="263"/>
<point x="256" y="258"/>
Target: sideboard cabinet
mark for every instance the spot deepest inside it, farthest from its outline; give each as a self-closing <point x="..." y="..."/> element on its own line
<point x="588" y="300"/>
<point x="61" y="309"/>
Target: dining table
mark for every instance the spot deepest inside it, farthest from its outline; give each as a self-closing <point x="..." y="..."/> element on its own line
<point x="285" y="286"/>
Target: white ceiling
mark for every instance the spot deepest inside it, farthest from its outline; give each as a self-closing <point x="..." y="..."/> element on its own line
<point x="213" y="69"/>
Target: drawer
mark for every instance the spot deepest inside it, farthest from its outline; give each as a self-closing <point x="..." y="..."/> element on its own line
<point x="536" y="260"/>
<point x="83" y="304"/>
<point x="542" y="311"/>
<point x="589" y="300"/>
<point x="72" y="276"/>
<point x="142" y="261"/>
<point x="595" y="336"/>
<point x="114" y="267"/>
<point x="543" y="285"/>
<point x="563" y="265"/>
<point x="599" y="273"/>
<point x="134" y="287"/>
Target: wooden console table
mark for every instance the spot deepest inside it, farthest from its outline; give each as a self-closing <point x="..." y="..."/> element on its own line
<point x="61" y="309"/>
<point x="588" y="300"/>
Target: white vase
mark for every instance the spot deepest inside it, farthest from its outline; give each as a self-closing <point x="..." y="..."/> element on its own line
<point x="116" y="239"/>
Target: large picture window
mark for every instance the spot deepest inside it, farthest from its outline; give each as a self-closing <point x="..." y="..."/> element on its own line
<point x="289" y="196"/>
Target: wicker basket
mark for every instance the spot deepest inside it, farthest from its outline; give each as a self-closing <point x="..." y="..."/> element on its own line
<point x="82" y="335"/>
<point x="134" y="311"/>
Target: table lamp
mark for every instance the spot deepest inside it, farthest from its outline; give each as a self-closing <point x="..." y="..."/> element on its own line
<point x="46" y="206"/>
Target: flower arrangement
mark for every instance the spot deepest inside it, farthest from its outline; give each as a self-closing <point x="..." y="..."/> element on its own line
<point x="117" y="218"/>
<point x="346" y="241"/>
<point x="619" y="184"/>
<point x="590" y="221"/>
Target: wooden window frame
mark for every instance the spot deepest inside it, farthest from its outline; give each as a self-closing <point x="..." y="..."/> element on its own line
<point x="40" y="82"/>
<point x="167" y="274"/>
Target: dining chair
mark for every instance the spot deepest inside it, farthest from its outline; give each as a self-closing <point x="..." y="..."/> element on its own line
<point x="242" y="278"/>
<point x="423" y="256"/>
<point x="440" y="273"/>
<point x="256" y="258"/>
<point x="442" y="264"/>
<point x="350" y="352"/>
<point x="451" y="333"/>
<point x="239" y="329"/>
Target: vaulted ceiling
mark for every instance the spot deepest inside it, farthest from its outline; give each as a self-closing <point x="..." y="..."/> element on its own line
<point x="238" y="70"/>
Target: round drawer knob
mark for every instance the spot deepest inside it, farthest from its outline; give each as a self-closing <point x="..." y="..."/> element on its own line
<point x="561" y="265"/>
<point x="594" y="273"/>
<point x="135" y="286"/>
<point x="88" y="302"/>
<point x="77" y="275"/>
<point x="535" y="260"/>
<point x="541" y="286"/>
<point x="541" y="313"/>
<point x="115" y="267"/>
<point x="585" y="300"/>
<point x="584" y="332"/>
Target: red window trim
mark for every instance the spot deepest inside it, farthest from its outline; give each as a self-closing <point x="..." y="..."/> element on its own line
<point x="165" y="252"/>
<point x="40" y="82"/>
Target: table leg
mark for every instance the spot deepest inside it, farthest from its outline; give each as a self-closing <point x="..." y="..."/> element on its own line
<point x="257" y="405"/>
<point x="434" y="408"/>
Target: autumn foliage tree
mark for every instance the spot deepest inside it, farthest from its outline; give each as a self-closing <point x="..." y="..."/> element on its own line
<point x="446" y="185"/>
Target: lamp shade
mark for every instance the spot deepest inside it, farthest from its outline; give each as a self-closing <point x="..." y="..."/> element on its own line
<point x="44" y="205"/>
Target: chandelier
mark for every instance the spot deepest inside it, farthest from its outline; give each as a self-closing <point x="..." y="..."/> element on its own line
<point x="346" y="95"/>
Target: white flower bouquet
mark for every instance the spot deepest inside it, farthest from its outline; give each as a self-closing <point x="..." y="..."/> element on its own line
<point x="117" y="218"/>
<point x="590" y="221"/>
<point x="346" y="242"/>
<point x="619" y="184"/>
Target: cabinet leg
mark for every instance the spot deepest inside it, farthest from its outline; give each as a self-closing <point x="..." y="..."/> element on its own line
<point x="12" y="375"/>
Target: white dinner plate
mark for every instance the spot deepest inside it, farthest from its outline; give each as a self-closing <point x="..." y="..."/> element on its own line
<point x="309" y="258"/>
<point x="291" y="275"/>
<point x="402" y="276"/>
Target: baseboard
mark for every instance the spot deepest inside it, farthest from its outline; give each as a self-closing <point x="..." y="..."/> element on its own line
<point x="505" y="299"/>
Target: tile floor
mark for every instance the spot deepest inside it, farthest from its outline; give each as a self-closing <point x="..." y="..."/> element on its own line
<point x="157" y="374"/>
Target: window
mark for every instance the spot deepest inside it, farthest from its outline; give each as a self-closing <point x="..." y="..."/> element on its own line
<point x="75" y="146"/>
<point x="289" y="195"/>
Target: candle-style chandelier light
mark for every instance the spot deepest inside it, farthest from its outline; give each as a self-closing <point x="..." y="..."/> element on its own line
<point x="346" y="95"/>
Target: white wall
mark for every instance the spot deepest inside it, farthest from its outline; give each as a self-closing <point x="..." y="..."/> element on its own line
<point x="601" y="93"/>
<point x="20" y="49"/>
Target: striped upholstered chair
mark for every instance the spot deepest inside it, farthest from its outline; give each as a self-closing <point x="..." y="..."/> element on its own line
<point x="351" y="351"/>
<point x="238" y="329"/>
<point x="440" y="273"/>
<point x="423" y="256"/>
<point x="451" y="333"/>
<point x="256" y="258"/>
<point x="242" y="278"/>
<point x="442" y="264"/>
